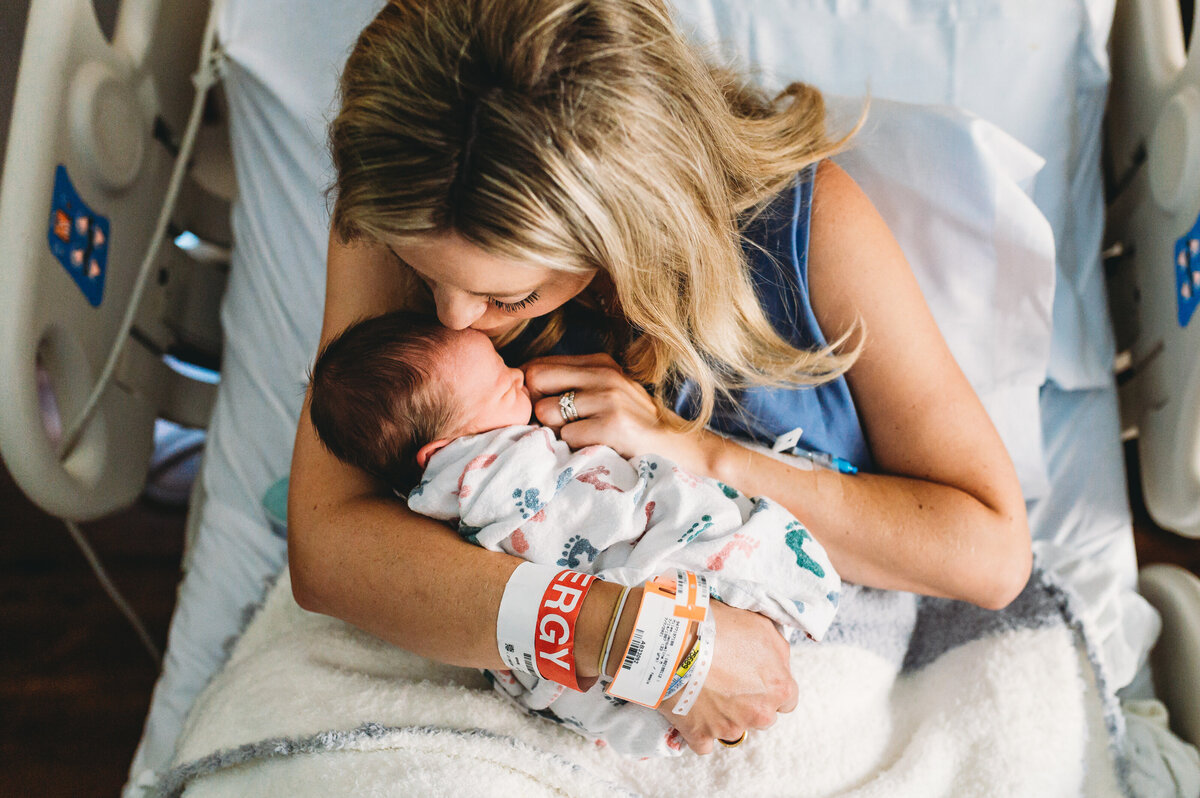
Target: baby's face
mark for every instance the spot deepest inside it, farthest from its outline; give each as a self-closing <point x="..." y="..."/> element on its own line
<point x="489" y="393"/>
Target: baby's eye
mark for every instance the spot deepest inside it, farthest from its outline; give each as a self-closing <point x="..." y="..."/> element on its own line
<point x="513" y="307"/>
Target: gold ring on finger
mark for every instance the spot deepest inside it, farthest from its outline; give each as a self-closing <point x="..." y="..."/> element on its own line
<point x="733" y="743"/>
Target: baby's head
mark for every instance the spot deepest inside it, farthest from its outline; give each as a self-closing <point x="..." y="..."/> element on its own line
<point x="391" y="390"/>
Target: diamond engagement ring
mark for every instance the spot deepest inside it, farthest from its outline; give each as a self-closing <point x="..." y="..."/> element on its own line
<point x="566" y="406"/>
<point x="733" y="743"/>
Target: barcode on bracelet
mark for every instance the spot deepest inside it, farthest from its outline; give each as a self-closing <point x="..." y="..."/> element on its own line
<point x="528" y="662"/>
<point x="636" y="645"/>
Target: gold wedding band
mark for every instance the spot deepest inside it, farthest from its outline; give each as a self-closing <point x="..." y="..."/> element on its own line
<point x="733" y="743"/>
<point x="566" y="406"/>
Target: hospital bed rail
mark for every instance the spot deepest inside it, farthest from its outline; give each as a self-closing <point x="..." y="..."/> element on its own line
<point x="1152" y="127"/>
<point x="1153" y="141"/>
<point x="95" y="294"/>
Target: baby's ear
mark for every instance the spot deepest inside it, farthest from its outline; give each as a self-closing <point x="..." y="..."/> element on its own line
<point x="426" y="451"/>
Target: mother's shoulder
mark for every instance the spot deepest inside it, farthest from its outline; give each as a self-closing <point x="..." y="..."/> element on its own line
<point x="362" y="279"/>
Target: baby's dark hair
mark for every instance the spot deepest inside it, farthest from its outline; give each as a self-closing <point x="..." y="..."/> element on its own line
<point x="373" y="400"/>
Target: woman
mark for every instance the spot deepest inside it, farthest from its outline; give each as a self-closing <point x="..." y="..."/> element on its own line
<point x="568" y="177"/>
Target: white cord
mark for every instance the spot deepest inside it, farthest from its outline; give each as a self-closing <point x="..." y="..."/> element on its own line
<point x="111" y="589"/>
<point x="208" y="73"/>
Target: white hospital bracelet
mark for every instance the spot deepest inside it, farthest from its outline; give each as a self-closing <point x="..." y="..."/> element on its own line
<point x="669" y="606"/>
<point x="517" y="619"/>
<point x="644" y="671"/>
<point x="699" y="671"/>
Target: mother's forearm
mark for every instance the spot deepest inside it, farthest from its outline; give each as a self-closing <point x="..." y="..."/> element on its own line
<point x="888" y="531"/>
<point x="401" y="577"/>
<point x="411" y="581"/>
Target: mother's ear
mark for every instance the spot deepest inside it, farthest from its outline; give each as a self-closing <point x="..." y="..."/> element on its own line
<point x="426" y="451"/>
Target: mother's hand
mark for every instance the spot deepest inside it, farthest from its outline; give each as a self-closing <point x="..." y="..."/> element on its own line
<point x="613" y="410"/>
<point x="748" y="684"/>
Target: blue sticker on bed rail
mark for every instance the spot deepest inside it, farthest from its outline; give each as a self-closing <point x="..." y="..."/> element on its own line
<point x="1187" y="273"/>
<point x="78" y="238"/>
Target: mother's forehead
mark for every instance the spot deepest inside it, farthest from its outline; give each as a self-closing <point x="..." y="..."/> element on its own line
<point x="448" y="257"/>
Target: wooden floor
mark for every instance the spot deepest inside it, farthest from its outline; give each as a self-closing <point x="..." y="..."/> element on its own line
<point x="75" y="681"/>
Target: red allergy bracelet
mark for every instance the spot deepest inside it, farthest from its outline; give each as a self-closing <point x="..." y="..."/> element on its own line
<point x="554" y="638"/>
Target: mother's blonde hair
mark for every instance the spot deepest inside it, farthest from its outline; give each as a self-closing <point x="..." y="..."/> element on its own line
<point x="576" y="135"/>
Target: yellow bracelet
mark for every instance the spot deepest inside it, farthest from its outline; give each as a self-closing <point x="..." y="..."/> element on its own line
<point x="689" y="660"/>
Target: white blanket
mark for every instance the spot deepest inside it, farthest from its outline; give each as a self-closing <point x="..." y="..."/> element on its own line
<point x="907" y="696"/>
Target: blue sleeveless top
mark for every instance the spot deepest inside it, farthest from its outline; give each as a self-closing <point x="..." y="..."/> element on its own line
<point x="777" y="250"/>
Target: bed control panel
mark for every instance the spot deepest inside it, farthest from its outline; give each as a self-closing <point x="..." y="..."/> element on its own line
<point x="1187" y="273"/>
<point x="78" y="238"/>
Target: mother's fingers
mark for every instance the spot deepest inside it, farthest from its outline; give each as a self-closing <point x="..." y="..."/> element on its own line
<point x="546" y="379"/>
<point x="793" y="697"/>
<point x="599" y="359"/>
<point x="548" y="410"/>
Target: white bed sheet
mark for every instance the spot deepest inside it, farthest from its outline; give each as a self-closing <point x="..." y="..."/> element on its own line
<point x="280" y="106"/>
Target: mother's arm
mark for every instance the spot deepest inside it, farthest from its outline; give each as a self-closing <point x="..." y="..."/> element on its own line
<point x="363" y="557"/>
<point x="945" y="515"/>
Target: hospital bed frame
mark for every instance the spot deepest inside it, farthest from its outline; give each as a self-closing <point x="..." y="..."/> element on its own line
<point x="115" y="234"/>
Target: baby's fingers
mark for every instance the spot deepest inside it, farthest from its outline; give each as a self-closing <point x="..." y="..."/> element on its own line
<point x="699" y="743"/>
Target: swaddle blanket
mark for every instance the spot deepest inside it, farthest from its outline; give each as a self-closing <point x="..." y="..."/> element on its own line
<point x="523" y="491"/>
<point x="906" y="696"/>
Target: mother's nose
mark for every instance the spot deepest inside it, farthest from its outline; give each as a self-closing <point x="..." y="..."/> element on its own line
<point x="457" y="310"/>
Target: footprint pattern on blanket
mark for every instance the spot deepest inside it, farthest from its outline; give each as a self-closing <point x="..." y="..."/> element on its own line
<point x="480" y="463"/>
<point x="730" y="492"/>
<point x="469" y="533"/>
<point x="696" y="529"/>
<point x="576" y="547"/>
<point x="687" y="479"/>
<point x="738" y="542"/>
<point x="520" y="543"/>
<point x="796" y="535"/>
<point x="595" y="476"/>
<point x="649" y="515"/>
<point x="529" y="504"/>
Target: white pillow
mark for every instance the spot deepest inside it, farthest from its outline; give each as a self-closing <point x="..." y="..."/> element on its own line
<point x="953" y="189"/>
<point x="1036" y="69"/>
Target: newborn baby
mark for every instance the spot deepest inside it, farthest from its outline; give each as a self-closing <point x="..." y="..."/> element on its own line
<point x="437" y="413"/>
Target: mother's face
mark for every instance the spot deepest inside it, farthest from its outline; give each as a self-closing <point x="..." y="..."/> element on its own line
<point x="474" y="289"/>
